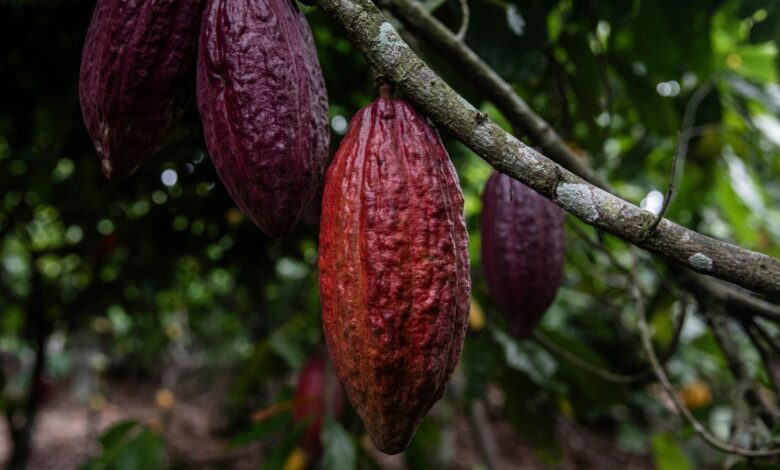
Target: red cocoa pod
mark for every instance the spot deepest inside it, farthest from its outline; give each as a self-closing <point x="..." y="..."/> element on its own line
<point x="523" y="250"/>
<point x="311" y="402"/>
<point x="136" y="65"/>
<point x="264" y="107"/>
<point x="394" y="269"/>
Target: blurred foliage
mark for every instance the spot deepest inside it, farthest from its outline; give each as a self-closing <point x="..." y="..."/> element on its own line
<point x="129" y="446"/>
<point x="140" y="278"/>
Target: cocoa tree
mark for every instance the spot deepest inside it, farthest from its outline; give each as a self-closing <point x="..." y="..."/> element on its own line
<point x="156" y="268"/>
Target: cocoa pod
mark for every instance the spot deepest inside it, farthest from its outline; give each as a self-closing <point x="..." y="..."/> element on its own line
<point x="394" y="269"/>
<point x="523" y="250"/>
<point x="311" y="401"/>
<point x="136" y="65"/>
<point x="262" y="99"/>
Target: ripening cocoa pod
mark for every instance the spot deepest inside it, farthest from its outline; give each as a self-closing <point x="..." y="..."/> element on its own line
<point x="264" y="107"/>
<point x="523" y="250"/>
<point x="311" y="401"/>
<point x="394" y="269"/>
<point x="136" y="68"/>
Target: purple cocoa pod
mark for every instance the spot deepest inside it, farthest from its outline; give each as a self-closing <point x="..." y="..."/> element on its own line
<point x="523" y="250"/>
<point x="138" y="58"/>
<point x="264" y="106"/>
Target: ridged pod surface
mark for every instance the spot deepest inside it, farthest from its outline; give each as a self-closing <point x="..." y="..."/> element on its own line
<point x="262" y="99"/>
<point x="136" y="66"/>
<point x="311" y="402"/>
<point x="523" y="250"/>
<point x="394" y="269"/>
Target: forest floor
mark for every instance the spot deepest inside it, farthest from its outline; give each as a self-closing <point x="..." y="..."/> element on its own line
<point x="66" y="435"/>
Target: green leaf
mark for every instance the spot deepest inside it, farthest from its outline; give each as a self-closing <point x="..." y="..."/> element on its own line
<point x="755" y="61"/>
<point x="527" y="357"/>
<point x="288" y="348"/>
<point x="490" y="35"/>
<point x="667" y="455"/>
<point x="587" y="389"/>
<point x="263" y="429"/>
<point x="339" y="447"/>
<point x="531" y="414"/>
<point x="145" y="452"/>
<point x="129" y="446"/>
<point x="282" y="451"/>
<point x="424" y="447"/>
<point x="117" y="433"/>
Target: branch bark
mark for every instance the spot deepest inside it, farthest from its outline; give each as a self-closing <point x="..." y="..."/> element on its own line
<point x="384" y="50"/>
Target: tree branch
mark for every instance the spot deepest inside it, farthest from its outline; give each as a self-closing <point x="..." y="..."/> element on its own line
<point x="417" y="20"/>
<point x="384" y="49"/>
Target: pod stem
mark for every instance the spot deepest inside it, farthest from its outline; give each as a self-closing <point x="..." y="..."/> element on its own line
<point x="385" y="89"/>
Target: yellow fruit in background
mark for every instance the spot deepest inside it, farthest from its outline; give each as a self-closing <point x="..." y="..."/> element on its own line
<point x="164" y="399"/>
<point x="696" y="394"/>
<point x="296" y="460"/>
<point x="234" y="217"/>
<point x="476" y="316"/>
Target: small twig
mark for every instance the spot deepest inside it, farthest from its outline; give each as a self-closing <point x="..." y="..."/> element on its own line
<point x="607" y="375"/>
<point x="683" y="141"/>
<point x="486" y="439"/>
<point x="766" y="353"/>
<point x="731" y="352"/>
<point x="767" y="336"/>
<point x="464" y="22"/>
<point x="480" y="423"/>
<point x="738" y="302"/>
<point x="668" y="196"/>
<point x="602" y="373"/>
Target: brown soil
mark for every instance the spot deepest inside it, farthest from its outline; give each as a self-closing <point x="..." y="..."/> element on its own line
<point x="63" y="439"/>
